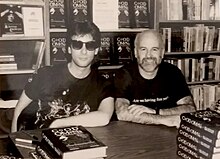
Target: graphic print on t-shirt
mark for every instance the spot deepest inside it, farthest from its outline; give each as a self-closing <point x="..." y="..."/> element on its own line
<point x="59" y="107"/>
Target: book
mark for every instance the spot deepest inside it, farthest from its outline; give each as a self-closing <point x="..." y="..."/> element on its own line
<point x="74" y="141"/>
<point x="123" y="47"/>
<point x="105" y="53"/>
<point x="33" y="21"/>
<point x="79" y="10"/>
<point x="141" y="13"/>
<point x="57" y="14"/>
<point x="58" y="48"/>
<point x="205" y="123"/>
<point x="11" y="20"/>
<point x="124" y="14"/>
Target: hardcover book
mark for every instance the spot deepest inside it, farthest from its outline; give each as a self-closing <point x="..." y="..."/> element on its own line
<point x="57" y="13"/>
<point x="123" y="48"/>
<point x="141" y="13"/>
<point x="207" y="121"/>
<point x="58" y="47"/>
<point x="106" y="50"/>
<point x="11" y="20"/>
<point x="74" y="141"/>
<point x="124" y="14"/>
<point x="80" y="10"/>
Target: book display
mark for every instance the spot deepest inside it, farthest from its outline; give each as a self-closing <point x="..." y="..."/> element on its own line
<point x="71" y="141"/>
<point x="21" y="40"/>
<point x="191" y="35"/>
<point x="198" y="135"/>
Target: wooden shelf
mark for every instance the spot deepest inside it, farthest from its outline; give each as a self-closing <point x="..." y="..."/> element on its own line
<point x="202" y="53"/>
<point x="109" y="67"/>
<point x="189" y="21"/>
<point x="23" y="2"/>
<point x="24" y="71"/>
<point x="124" y="30"/>
<point x="13" y="38"/>
<point x="204" y="82"/>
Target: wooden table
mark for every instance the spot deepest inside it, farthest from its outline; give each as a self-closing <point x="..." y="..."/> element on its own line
<point x="134" y="141"/>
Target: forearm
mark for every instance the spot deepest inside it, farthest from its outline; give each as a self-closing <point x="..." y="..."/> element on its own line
<point x="22" y="103"/>
<point x="91" y="119"/>
<point x="179" y="109"/>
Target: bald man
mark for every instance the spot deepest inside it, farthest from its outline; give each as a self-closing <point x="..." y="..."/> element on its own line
<point x="151" y="91"/>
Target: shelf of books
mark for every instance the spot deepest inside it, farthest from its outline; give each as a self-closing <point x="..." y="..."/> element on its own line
<point x="118" y="21"/>
<point x="22" y="37"/>
<point x="191" y="33"/>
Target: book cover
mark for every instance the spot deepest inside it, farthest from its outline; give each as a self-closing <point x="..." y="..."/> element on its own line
<point x="58" y="48"/>
<point x="124" y="14"/>
<point x="33" y="21"/>
<point x="74" y="141"/>
<point x="105" y="54"/>
<point x="206" y="121"/>
<point x="57" y="14"/>
<point x="141" y="13"/>
<point x="123" y="47"/>
<point x="80" y="10"/>
<point x="11" y="20"/>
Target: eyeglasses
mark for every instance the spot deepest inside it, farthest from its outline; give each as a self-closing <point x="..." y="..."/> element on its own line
<point x="91" y="45"/>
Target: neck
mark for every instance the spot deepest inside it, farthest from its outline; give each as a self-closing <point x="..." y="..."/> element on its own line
<point x="79" y="72"/>
<point x="146" y="74"/>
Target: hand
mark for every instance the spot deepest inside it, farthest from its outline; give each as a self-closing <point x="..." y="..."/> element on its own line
<point x="139" y="109"/>
<point x="172" y="121"/>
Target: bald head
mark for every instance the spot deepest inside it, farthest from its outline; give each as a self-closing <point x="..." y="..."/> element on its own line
<point x="152" y="34"/>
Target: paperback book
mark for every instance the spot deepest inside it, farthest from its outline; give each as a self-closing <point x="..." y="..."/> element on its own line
<point x="58" y="49"/>
<point x="11" y="20"/>
<point x="124" y="14"/>
<point x="57" y="13"/>
<point x="74" y="141"/>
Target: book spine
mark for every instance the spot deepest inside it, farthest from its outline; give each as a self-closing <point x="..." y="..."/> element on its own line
<point x="43" y="154"/>
<point x="201" y="125"/>
<point x="207" y="140"/>
<point x="198" y="148"/>
<point x="51" y="144"/>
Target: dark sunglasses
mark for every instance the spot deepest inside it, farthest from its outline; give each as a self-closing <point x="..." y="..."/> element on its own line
<point x="91" y="45"/>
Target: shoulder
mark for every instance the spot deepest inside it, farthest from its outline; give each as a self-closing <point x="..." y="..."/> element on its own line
<point x="167" y="67"/>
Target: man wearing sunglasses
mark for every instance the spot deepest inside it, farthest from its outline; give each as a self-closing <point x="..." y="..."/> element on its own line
<point x="70" y="94"/>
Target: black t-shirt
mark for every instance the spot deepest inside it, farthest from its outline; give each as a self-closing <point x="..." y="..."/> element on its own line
<point x="163" y="91"/>
<point x="58" y="94"/>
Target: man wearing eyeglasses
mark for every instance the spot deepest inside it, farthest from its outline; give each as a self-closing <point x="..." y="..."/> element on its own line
<point x="70" y="94"/>
<point x="151" y="91"/>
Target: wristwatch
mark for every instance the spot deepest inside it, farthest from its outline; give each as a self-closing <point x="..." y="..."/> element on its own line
<point x="157" y="111"/>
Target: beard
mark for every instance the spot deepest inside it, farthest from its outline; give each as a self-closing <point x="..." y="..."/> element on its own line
<point x="149" y="64"/>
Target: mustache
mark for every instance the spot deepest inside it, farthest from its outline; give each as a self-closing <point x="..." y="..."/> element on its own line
<point x="148" y="58"/>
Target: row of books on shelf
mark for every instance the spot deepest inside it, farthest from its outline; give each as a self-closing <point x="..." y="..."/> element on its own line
<point x="17" y="20"/>
<point x="116" y="48"/>
<point x="7" y="62"/>
<point x="205" y="95"/>
<point x="198" y="135"/>
<point x="189" y="10"/>
<point x="198" y="69"/>
<point x="123" y="13"/>
<point x="192" y="39"/>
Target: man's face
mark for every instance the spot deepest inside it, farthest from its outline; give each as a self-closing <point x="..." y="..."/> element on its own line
<point x="149" y="53"/>
<point x="82" y="50"/>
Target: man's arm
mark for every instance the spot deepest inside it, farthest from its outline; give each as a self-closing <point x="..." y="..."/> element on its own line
<point x="101" y="117"/>
<point x="23" y="102"/>
<point x="144" y="115"/>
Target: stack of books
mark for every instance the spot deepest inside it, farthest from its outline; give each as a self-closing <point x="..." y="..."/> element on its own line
<point x="199" y="136"/>
<point x="70" y="142"/>
<point x="7" y="62"/>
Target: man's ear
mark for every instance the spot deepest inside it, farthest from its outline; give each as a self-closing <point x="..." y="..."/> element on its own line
<point x="135" y="53"/>
<point x="96" y="51"/>
<point x="69" y="50"/>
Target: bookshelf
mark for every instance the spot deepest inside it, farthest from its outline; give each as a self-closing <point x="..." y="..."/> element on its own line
<point x="24" y="40"/>
<point x="192" y="38"/>
<point x="98" y="12"/>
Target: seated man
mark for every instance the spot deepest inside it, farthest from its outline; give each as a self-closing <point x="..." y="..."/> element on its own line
<point x="151" y="91"/>
<point x="68" y="94"/>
